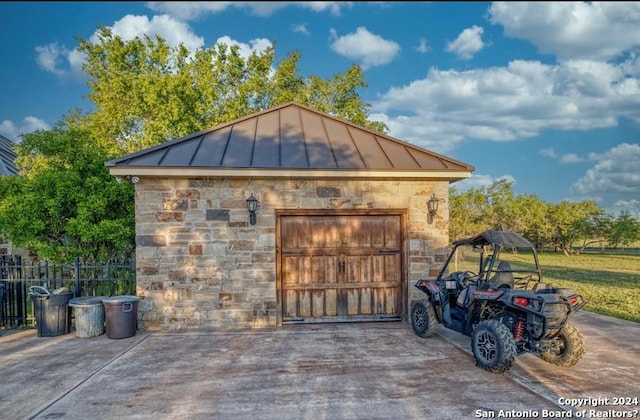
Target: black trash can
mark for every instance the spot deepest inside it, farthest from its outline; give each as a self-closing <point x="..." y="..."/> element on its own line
<point x="89" y="315"/>
<point x="121" y="316"/>
<point x="52" y="313"/>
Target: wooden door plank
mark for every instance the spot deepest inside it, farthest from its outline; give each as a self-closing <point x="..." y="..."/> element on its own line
<point x="353" y="301"/>
<point x="317" y="303"/>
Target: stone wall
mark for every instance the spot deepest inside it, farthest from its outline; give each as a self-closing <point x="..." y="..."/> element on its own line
<point x="201" y="265"/>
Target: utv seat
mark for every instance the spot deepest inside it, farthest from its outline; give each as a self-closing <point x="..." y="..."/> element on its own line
<point x="465" y="296"/>
<point x="503" y="278"/>
<point x="544" y="288"/>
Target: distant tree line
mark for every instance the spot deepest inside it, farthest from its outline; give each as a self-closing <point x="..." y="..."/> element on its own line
<point x="569" y="227"/>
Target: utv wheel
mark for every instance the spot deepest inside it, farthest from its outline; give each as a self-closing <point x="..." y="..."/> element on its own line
<point x="570" y="348"/>
<point x="493" y="346"/>
<point x="423" y="318"/>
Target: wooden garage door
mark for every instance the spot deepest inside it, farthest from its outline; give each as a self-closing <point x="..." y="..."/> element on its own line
<point x="340" y="267"/>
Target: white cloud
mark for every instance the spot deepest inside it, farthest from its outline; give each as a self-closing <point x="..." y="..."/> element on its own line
<point x="57" y="59"/>
<point x="548" y="152"/>
<point x="171" y="30"/>
<point x="188" y="10"/>
<point x="423" y="47"/>
<point x="468" y="43"/>
<point x="508" y="103"/>
<point x="630" y="206"/>
<point x="369" y="49"/>
<point x="477" y="181"/>
<point x="334" y="7"/>
<point x="48" y="57"/>
<point x="64" y="63"/>
<point x="616" y="172"/>
<point x="245" y="50"/>
<point x="13" y="132"/>
<point x="571" y="158"/>
<point x="300" y="28"/>
<point x="572" y="30"/>
<point x="566" y="158"/>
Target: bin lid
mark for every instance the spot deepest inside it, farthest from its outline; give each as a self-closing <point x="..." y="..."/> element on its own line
<point x="86" y="301"/>
<point x="116" y="300"/>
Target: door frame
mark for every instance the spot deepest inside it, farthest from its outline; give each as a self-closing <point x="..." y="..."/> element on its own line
<point x="404" y="247"/>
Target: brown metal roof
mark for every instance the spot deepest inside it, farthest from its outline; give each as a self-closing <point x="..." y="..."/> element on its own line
<point x="289" y="137"/>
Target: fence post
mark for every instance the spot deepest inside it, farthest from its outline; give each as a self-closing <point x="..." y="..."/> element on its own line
<point x="76" y="266"/>
<point x="44" y="279"/>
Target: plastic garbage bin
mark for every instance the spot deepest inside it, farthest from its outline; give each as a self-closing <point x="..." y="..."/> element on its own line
<point x="89" y="315"/>
<point x="121" y="315"/>
<point x="52" y="312"/>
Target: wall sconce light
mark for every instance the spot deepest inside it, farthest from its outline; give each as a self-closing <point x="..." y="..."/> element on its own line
<point x="133" y="179"/>
<point x="252" y="206"/>
<point x="432" y="208"/>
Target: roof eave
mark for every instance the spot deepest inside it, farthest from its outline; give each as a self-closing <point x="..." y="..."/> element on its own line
<point x="140" y="171"/>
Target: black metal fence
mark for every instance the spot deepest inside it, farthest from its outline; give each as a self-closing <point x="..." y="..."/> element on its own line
<point x="114" y="278"/>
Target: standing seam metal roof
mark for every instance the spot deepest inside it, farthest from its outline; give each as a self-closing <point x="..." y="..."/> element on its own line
<point x="7" y="157"/>
<point x="290" y="136"/>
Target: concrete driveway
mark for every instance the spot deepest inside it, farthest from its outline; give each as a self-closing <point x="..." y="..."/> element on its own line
<point x="329" y="371"/>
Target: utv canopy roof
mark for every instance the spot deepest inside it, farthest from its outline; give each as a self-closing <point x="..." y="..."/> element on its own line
<point x="496" y="237"/>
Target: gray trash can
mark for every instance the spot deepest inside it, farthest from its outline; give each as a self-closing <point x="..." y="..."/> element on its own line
<point x="52" y="313"/>
<point x="121" y="315"/>
<point x="89" y="315"/>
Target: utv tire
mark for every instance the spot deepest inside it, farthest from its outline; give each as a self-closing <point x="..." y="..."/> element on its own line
<point x="571" y="348"/>
<point x="493" y="346"/>
<point x="423" y="319"/>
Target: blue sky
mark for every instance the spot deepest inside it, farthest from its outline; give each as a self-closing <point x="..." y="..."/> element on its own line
<point x="546" y="94"/>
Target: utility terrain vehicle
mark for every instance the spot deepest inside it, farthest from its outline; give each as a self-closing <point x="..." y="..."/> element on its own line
<point x="490" y="288"/>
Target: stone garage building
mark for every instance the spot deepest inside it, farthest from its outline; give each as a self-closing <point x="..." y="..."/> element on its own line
<point x="341" y="230"/>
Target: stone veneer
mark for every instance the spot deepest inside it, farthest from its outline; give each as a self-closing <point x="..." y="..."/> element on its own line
<point x="201" y="265"/>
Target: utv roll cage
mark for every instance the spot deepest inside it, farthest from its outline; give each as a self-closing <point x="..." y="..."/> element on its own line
<point x="490" y="244"/>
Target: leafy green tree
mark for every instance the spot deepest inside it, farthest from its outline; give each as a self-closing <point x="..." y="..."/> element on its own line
<point x="530" y="219"/>
<point x="467" y="214"/>
<point x="624" y="230"/>
<point x="496" y="207"/>
<point x="65" y="203"/>
<point x="595" y="229"/>
<point x="500" y="212"/>
<point x="146" y="92"/>
<point x="568" y="220"/>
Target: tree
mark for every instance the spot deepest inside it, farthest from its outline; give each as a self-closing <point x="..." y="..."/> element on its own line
<point x="568" y="220"/>
<point x="496" y="207"/>
<point x="467" y="215"/>
<point x="595" y="229"/>
<point x="65" y="203"/>
<point x="146" y="92"/>
<point x="624" y="230"/>
<point x="530" y="220"/>
<point x="501" y="205"/>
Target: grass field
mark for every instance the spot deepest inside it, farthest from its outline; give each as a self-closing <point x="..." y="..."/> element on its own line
<point x="610" y="283"/>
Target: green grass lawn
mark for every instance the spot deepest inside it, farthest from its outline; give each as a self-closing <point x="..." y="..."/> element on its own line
<point x="609" y="283"/>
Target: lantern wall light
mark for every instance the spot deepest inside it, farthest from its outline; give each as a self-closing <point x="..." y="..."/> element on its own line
<point x="432" y="207"/>
<point x="252" y="206"/>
